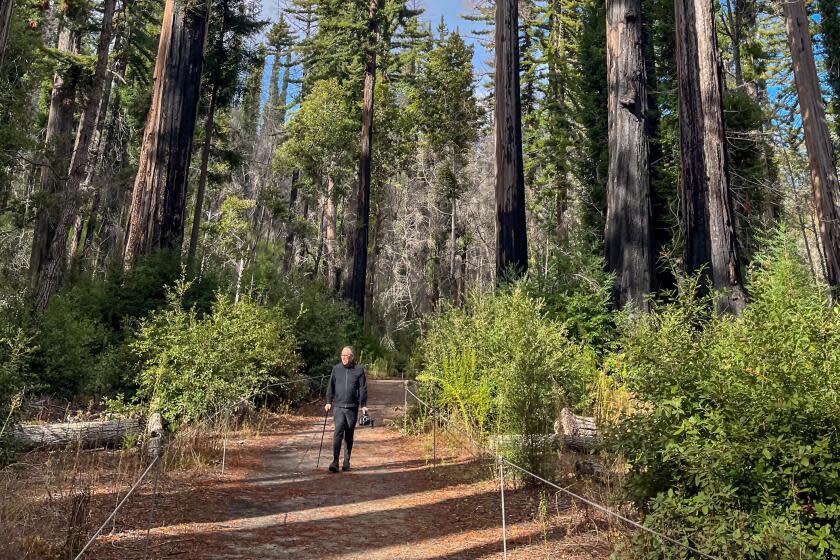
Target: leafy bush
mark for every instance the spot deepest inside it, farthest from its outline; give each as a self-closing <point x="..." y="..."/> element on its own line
<point x="322" y="324"/>
<point x="504" y="367"/>
<point x="735" y="446"/>
<point x="14" y="349"/>
<point x="83" y="336"/>
<point x="71" y="336"/>
<point x="192" y="366"/>
<point x="577" y="293"/>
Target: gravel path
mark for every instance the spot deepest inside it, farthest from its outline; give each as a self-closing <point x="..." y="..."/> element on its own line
<point x="273" y="503"/>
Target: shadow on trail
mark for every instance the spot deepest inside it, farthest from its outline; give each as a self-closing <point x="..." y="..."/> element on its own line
<point x="404" y="524"/>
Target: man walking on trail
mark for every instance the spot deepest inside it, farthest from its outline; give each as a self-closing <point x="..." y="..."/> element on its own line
<point x="348" y="390"/>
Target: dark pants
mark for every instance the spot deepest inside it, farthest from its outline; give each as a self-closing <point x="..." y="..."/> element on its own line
<point x="345" y="423"/>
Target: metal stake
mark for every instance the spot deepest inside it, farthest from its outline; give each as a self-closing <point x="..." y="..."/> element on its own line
<point x="224" y="444"/>
<point x="434" y="440"/>
<point x="502" y="488"/>
<point x="151" y="512"/>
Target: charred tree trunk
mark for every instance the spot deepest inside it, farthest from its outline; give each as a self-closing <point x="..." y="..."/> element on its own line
<point x="58" y="142"/>
<point x="358" y="246"/>
<point x="156" y="219"/>
<point x="51" y="275"/>
<point x="629" y="235"/>
<point x="511" y="237"/>
<point x="817" y="138"/>
<point x="706" y="201"/>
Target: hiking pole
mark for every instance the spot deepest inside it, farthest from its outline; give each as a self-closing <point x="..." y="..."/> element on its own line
<point x="324" y="431"/>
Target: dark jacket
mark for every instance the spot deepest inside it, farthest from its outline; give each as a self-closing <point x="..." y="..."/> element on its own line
<point x="348" y="386"/>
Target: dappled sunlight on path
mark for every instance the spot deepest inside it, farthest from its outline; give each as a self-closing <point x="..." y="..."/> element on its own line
<point x="273" y="503"/>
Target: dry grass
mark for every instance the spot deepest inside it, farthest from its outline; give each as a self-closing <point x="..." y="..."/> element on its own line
<point x="51" y="501"/>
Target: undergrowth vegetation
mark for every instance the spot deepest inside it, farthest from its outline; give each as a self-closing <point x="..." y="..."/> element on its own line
<point x="735" y="444"/>
<point x="504" y="367"/>
<point x="191" y="366"/>
<point x="727" y="424"/>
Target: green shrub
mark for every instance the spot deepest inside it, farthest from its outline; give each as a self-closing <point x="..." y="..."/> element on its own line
<point x="83" y="336"/>
<point x="70" y="336"/>
<point x="576" y="292"/>
<point x="192" y="365"/>
<point x="505" y="368"/>
<point x="15" y="346"/>
<point x="322" y="325"/>
<point x="736" y="446"/>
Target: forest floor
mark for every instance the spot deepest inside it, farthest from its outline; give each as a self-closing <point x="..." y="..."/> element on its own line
<point x="396" y="502"/>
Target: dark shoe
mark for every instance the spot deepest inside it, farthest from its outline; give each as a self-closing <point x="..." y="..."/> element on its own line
<point x="345" y="467"/>
<point x="333" y="466"/>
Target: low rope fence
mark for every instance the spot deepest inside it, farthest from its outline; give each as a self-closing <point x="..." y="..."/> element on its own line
<point x="157" y="460"/>
<point x="502" y="461"/>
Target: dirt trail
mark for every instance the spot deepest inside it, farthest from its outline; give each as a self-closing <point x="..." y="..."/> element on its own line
<point x="273" y="503"/>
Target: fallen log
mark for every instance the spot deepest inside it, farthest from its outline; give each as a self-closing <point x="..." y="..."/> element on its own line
<point x="576" y="432"/>
<point x="84" y="434"/>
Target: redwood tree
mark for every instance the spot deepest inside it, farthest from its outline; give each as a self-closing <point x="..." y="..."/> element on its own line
<point x="356" y="282"/>
<point x="706" y="200"/>
<point x="511" y="241"/>
<point x="51" y="273"/>
<point x="156" y="219"/>
<point x="629" y="235"/>
<point x="817" y="138"/>
<point x="58" y="141"/>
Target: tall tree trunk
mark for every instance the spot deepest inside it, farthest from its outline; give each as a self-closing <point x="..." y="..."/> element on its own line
<point x="5" y="24"/>
<point x="58" y="141"/>
<point x="556" y="103"/>
<point x="628" y="234"/>
<point x="358" y="246"/>
<point x="51" y="276"/>
<point x="453" y="239"/>
<point x="282" y="99"/>
<point x="91" y="228"/>
<point x="511" y="236"/>
<point x="202" y="176"/>
<point x="706" y="200"/>
<point x="329" y="237"/>
<point x="158" y="199"/>
<point x="817" y="139"/>
<point x="289" y="253"/>
<point x="97" y="153"/>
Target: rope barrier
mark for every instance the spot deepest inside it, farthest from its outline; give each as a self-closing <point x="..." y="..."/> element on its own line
<point x="596" y="505"/>
<point x="113" y="513"/>
<point x="162" y="452"/>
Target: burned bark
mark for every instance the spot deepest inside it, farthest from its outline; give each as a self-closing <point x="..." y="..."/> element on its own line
<point x="354" y="289"/>
<point x="511" y="231"/>
<point x="51" y="274"/>
<point x="706" y="203"/>
<point x="58" y="141"/>
<point x="629" y="234"/>
<point x="156" y="220"/>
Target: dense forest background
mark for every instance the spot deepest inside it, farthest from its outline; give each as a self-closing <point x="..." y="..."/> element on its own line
<point x="636" y="212"/>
